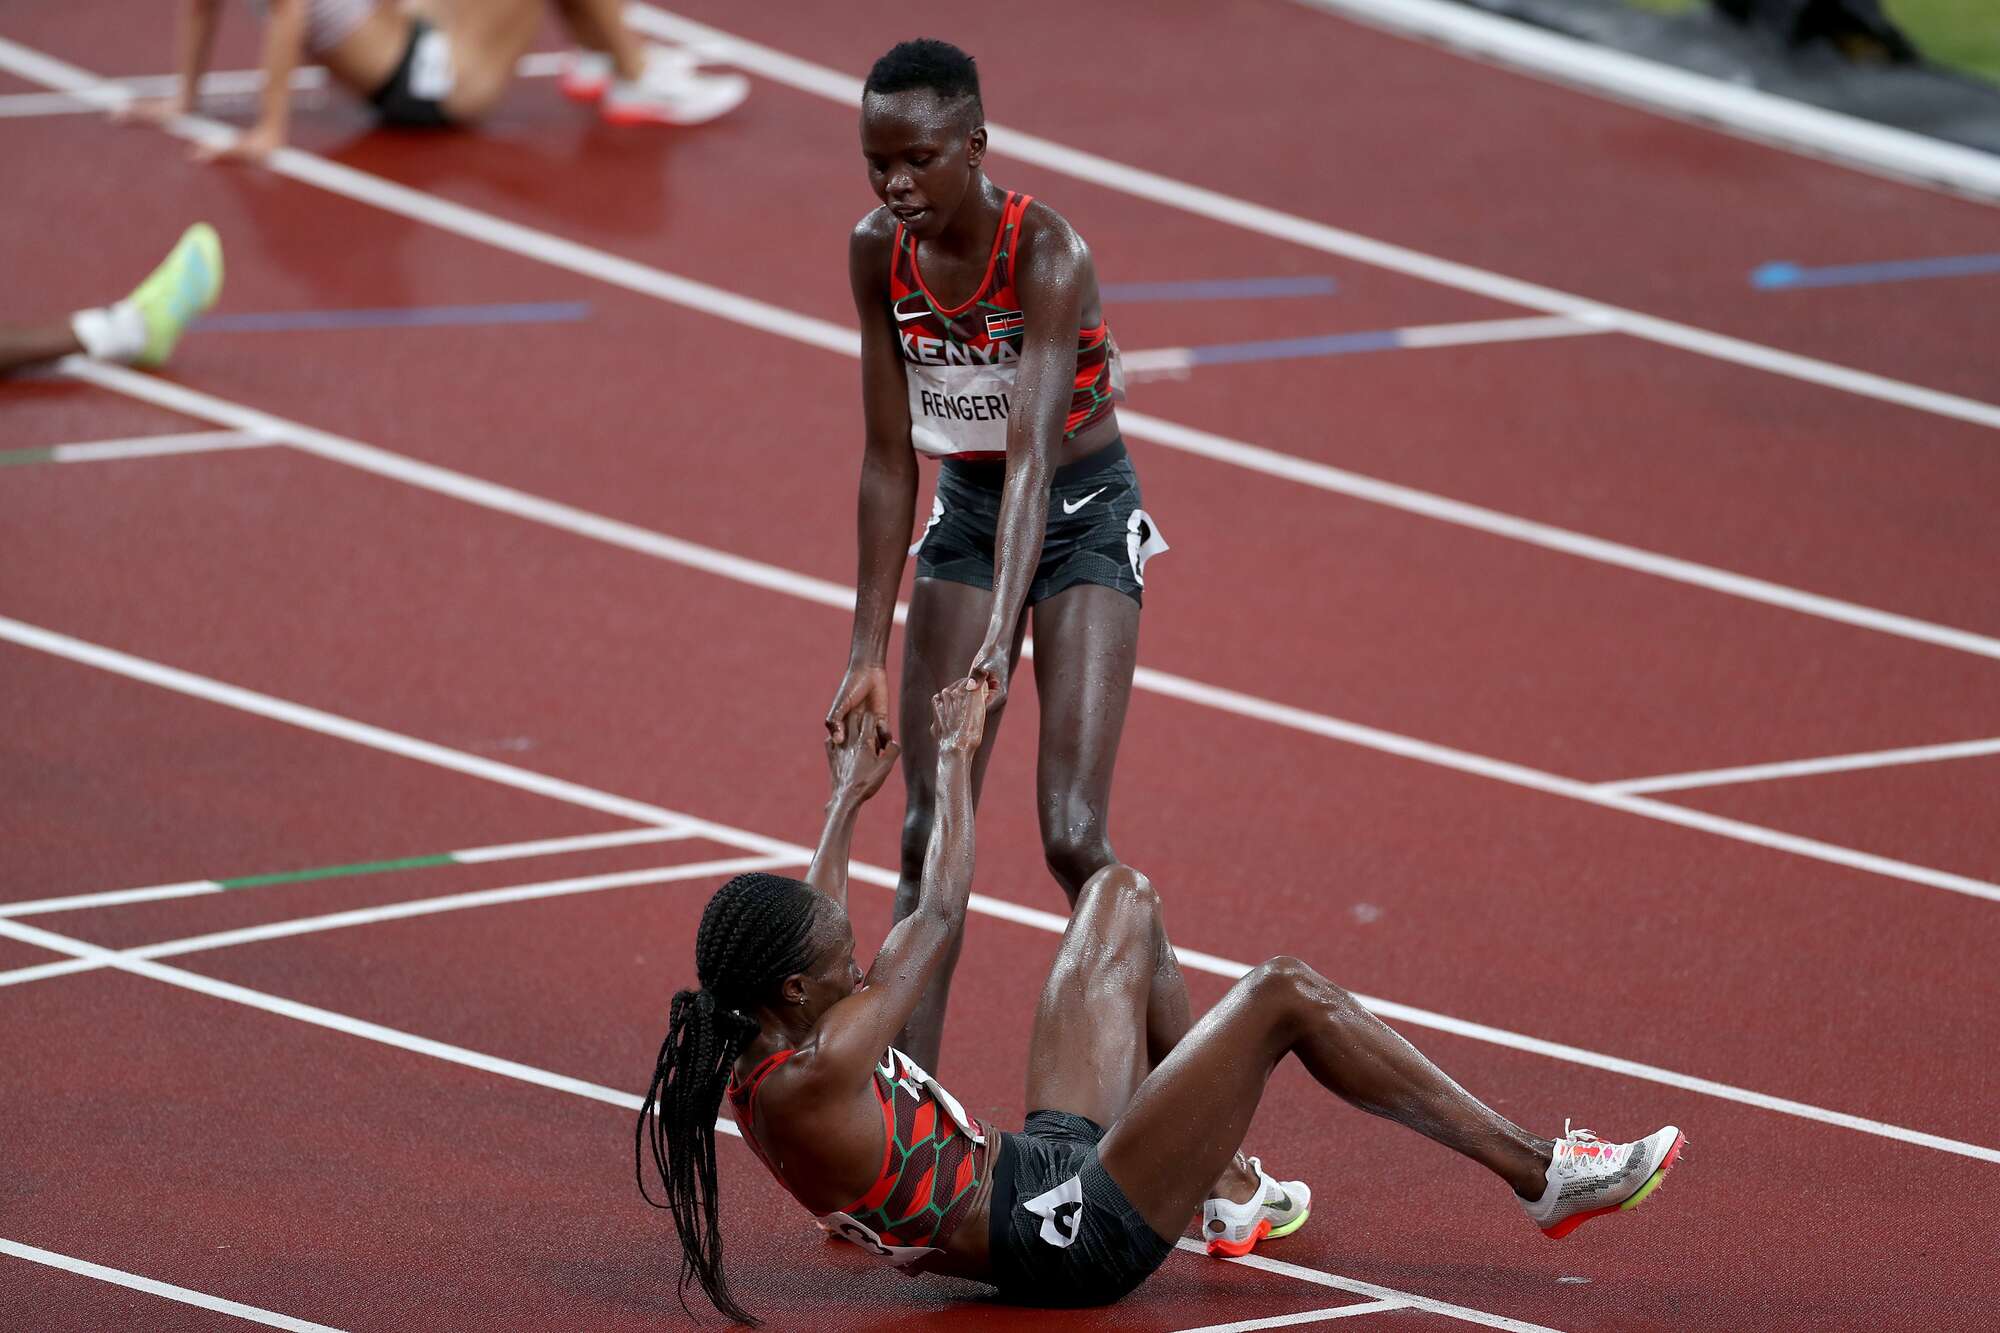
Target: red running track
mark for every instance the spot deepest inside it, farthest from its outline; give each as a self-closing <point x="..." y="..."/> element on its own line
<point x="239" y="1152"/>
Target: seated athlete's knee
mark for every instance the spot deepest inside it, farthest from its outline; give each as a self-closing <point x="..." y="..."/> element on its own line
<point x="1287" y="978"/>
<point x="1126" y="889"/>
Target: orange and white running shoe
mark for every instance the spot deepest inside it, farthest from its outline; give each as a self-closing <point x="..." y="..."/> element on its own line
<point x="585" y="75"/>
<point x="1233" y="1229"/>
<point x="1589" y="1178"/>
<point x="673" y="90"/>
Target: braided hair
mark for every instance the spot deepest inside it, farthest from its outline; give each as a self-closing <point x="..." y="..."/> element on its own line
<point x="755" y="932"/>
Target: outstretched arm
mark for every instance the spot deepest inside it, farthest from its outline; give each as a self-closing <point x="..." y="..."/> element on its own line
<point x="1053" y="275"/>
<point x="888" y="498"/>
<point x="857" y="770"/>
<point x="855" y="1031"/>
<point x="284" y="45"/>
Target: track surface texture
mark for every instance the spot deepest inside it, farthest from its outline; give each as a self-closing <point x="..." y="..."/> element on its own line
<point x="1463" y="681"/>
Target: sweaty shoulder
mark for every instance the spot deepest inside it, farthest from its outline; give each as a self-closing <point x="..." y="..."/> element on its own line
<point x="1050" y="244"/>
<point x="873" y="236"/>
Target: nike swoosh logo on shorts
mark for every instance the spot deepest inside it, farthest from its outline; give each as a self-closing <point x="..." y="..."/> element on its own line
<point x="1069" y="508"/>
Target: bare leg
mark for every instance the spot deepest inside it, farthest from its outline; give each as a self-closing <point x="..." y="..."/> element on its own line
<point x="1187" y="1118"/>
<point x="599" y="25"/>
<point x="23" y="345"/>
<point x="1086" y="649"/>
<point x="1088" y="1052"/>
<point x="487" y="38"/>
<point x="947" y="624"/>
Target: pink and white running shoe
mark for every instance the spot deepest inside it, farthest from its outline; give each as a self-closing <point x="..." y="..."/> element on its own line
<point x="1589" y="1178"/>
<point x="672" y="91"/>
<point x="585" y="75"/>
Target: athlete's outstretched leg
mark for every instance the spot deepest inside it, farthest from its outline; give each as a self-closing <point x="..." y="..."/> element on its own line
<point x="946" y="626"/>
<point x="23" y="345"/>
<point x="1187" y="1118"/>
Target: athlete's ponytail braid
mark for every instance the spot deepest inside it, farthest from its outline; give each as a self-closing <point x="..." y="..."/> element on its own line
<point x="755" y="932"/>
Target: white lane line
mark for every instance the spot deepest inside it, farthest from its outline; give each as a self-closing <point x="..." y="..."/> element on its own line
<point x="221" y="83"/>
<point x="113" y="898"/>
<point x="1217" y="448"/>
<point x="155" y="446"/>
<point x="1798" y="768"/>
<point x="154" y="1287"/>
<point x="379" y="738"/>
<point x="455" y="902"/>
<point x="1256" y="458"/>
<point x="545" y="248"/>
<point x="1177" y="360"/>
<point x="542" y="1078"/>
<point x="1497" y="331"/>
<point x="469" y="856"/>
<point x="1235" y="212"/>
<point x="588" y="842"/>
<point x="325" y="1018"/>
<point x="444" y="481"/>
<point x="1302" y="1317"/>
<point x="1685" y="95"/>
<point x="1318" y="1278"/>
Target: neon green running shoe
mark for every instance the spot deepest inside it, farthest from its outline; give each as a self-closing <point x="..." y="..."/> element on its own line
<point x="186" y="283"/>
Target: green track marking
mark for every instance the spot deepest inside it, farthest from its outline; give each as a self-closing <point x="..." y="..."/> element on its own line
<point x="335" y="872"/>
<point x="25" y="457"/>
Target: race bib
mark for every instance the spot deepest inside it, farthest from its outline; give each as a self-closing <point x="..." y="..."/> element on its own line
<point x="897" y="1256"/>
<point x="959" y="409"/>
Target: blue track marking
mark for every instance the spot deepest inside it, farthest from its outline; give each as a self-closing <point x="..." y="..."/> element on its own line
<point x="1219" y="289"/>
<point x="427" y="316"/>
<point x="1779" y="276"/>
<point x="1279" y="349"/>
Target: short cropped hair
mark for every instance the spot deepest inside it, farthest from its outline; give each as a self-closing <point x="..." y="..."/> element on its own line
<point x="926" y="63"/>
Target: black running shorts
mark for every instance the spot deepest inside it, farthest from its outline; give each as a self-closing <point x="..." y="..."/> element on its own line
<point x="1097" y="530"/>
<point x="413" y="96"/>
<point x="1062" y="1232"/>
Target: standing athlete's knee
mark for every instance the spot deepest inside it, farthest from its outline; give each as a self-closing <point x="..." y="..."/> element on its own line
<point x="1073" y="842"/>
<point x="916" y="827"/>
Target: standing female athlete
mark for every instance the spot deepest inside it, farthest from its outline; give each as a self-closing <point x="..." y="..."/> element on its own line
<point x="443" y="62"/>
<point x="983" y="343"/>
<point x="1119" y="1147"/>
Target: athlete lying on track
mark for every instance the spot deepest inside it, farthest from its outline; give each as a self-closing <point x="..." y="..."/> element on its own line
<point x="444" y="62"/>
<point x="1119" y="1149"/>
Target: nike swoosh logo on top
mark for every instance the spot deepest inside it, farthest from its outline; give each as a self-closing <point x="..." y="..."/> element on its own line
<point x="905" y="316"/>
<point x="1069" y="508"/>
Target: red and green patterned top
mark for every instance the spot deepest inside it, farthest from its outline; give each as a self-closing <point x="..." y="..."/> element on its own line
<point x="933" y="1161"/>
<point x="960" y="360"/>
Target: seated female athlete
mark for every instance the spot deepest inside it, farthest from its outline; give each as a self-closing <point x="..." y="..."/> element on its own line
<point x="444" y="62"/>
<point x="1116" y="1154"/>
